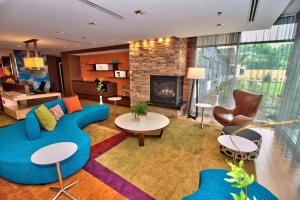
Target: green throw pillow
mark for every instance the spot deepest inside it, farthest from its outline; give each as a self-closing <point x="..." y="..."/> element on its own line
<point x="45" y="118"/>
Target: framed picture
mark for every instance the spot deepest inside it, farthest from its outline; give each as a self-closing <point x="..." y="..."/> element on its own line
<point x="103" y="67"/>
<point x="120" y="74"/>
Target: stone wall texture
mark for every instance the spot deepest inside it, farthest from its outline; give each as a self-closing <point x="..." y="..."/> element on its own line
<point x="164" y="56"/>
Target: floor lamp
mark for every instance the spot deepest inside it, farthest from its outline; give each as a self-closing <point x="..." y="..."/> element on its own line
<point x="195" y="73"/>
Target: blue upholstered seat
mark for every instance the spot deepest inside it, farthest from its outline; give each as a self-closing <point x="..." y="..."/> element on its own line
<point x="213" y="187"/>
<point x="16" y="148"/>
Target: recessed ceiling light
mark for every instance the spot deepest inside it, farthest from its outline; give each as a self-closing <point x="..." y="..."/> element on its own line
<point x="83" y="37"/>
<point x="20" y="46"/>
<point x="219" y="13"/>
<point x="65" y="47"/>
<point x="92" y="23"/>
<point x="139" y="12"/>
<point x="112" y="40"/>
<point x="60" y="32"/>
<point x="220" y="25"/>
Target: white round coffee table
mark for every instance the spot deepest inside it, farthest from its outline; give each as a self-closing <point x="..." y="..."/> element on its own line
<point x="152" y="121"/>
<point x="115" y="99"/>
<point x="237" y="144"/>
<point x="203" y="106"/>
<point x="54" y="154"/>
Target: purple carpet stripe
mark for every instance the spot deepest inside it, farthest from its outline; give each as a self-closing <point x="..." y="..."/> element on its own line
<point x="107" y="176"/>
<point x="116" y="182"/>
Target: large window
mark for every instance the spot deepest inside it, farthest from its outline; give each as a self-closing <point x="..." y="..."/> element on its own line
<point x="253" y="61"/>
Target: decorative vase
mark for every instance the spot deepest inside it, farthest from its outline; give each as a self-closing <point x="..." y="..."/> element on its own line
<point x="142" y="117"/>
<point x="100" y="98"/>
<point x="217" y="100"/>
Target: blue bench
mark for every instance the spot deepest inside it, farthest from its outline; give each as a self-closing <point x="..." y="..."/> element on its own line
<point x="213" y="187"/>
<point x="20" y="140"/>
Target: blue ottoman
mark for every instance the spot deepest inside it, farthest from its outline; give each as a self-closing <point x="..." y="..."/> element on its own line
<point x="213" y="187"/>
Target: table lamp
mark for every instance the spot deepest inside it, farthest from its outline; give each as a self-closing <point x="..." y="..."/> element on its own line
<point x="195" y="73"/>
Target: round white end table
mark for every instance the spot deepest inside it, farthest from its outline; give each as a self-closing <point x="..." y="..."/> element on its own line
<point x="203" y="106"/>
<point x="237" y="144"/>
<point x="115" y="99"/>
<point x="54" y="154"/>
<point x="152" y="121"/>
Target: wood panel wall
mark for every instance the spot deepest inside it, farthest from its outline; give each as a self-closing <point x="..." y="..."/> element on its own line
<point x="86" y="62"/>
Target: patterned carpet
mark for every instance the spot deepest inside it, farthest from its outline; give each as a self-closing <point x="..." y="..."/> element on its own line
<point x="168" y="167"/>
<point x="165" y="168"/>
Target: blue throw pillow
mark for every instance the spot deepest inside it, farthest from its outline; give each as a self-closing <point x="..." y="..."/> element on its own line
<point x="33" y="128"/>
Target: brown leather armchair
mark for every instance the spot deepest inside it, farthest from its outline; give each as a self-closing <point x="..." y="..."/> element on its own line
<point x="246" y="107"/>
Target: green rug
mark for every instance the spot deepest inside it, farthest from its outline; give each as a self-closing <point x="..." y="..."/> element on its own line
<point x="99" y="133"/>
<point x="168" y="167"/>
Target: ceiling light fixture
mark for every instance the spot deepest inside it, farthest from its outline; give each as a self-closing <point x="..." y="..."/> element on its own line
<point x="60" y="33"/>
<point x="219" y="25"/>
<point x="92" y="23"/>
<point x="36" y="62"/>
<point x="139" y="12"/>
<point x="219" y="13"/>
<point x="20" y="46"/>
<point x="83" y="37"/>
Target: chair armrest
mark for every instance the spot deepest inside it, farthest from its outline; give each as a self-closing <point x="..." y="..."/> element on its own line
<point x="241" y="120"/>
<point x="221" y="110"/>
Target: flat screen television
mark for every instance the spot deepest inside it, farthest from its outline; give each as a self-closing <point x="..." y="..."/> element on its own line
<point x="103" y="67"/>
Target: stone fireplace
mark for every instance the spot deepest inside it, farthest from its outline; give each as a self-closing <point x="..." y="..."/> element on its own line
<point x="166" y="91"/>
<point x="153" y="59"/>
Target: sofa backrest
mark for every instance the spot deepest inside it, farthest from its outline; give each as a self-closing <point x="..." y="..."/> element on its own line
<point x="33" y="128"/>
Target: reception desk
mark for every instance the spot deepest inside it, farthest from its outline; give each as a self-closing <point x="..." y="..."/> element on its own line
<point x="87" y="90"/>
<point x="17" y="105"/>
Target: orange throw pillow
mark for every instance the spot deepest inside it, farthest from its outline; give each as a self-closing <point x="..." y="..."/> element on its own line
<point x="72" y="104"/>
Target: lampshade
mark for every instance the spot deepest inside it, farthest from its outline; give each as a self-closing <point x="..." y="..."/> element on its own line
<point x="34" y="62"/>
<point x="196" y="73"/>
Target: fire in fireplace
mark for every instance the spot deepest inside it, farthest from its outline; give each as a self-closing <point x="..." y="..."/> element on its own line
<point x="166" y="91"/>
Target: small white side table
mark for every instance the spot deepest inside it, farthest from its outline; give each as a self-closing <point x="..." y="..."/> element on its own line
<point x="55" y="153"/>
<point x="203" y="106"/>
<point x="115" y="99"/>
<point x="237" y="144"/>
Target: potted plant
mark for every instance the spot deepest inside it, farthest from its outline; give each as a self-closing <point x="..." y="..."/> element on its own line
<point x="100" y="88"/>
<point x="140" y="110"/>
<point x="218" y="89"/>
<point x="239" y="179"/>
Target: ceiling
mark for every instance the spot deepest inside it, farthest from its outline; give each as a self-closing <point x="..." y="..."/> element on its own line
<point x="46" y="20"/>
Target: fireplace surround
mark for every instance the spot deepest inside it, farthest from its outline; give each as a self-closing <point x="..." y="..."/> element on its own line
<point x="166" y="91"/>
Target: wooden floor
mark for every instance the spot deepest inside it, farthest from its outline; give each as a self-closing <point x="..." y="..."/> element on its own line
<point x="272" y="168"/>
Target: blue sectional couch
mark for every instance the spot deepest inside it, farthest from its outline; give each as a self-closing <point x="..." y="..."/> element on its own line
<point x="213" y="187"/>
<point x="19" y="141"/>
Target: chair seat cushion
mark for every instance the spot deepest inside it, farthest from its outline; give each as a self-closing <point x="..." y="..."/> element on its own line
<point x="248" y="133"/>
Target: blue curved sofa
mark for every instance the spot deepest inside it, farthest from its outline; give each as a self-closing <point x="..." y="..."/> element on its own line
<point x="213" y="187"/>
<point x="16" y="146"/>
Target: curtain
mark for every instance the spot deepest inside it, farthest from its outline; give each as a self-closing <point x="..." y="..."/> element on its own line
<point x="215" y="54"/>
<point x="261" y="61"/>
<point x="289" y="136"/>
